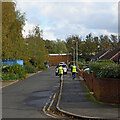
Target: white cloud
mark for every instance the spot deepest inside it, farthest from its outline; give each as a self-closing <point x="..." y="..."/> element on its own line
<point x="66" y="1"/>
<point x="47" y="28"/>
<point x="28" y="27"/>
<point x="49" y="36"/>
<point x="59" y="20"/>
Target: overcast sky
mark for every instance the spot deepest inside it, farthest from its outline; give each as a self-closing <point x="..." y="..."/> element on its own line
<point x="60" y="19"/>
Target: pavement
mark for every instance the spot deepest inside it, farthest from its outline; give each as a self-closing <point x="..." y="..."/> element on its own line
<point x="74" y="101"/>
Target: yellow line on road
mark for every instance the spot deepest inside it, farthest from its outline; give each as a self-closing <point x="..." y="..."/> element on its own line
<point x="51" y="115"/>
<point x="47" y="102"/>
<point x="51" y="102"/>
<point x="44" y="108"/>
<point x="54" y="114"/>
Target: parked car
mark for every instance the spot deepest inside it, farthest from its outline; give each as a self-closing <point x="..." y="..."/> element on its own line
<point x="61" y="63"/>
<point x="64" y="66"/>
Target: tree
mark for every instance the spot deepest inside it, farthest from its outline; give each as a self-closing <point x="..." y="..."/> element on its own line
<point x="55" y="47"/>
<point x="114" y="40"/>
<point x="104" y="41"/>
<point x="69" y="43"/>
<point x="12" y="25"/>
<point x="61" y="47"/>
<point x="36" y="47"/>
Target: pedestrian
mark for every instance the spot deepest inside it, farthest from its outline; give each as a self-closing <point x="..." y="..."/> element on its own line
<point x="69" y="64"/>
<point x="74" y="70"/>
<point x="60" y="71"/>
<point x="71" y="67"/>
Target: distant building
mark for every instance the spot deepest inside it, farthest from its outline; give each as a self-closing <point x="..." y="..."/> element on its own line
<point x="55" y="59"/>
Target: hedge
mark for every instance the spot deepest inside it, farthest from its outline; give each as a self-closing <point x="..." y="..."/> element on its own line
<point x="105" y="69"/>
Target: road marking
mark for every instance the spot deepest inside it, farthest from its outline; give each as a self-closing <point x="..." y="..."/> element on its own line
<point x="44" y="108"/>
<point x="51" y="115"/>
<point x="51" y="102"/>
<point x="54" y="114"/>
<point x="47" y="102"/>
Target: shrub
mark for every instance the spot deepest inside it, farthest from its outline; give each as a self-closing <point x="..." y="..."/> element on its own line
<point x="13" y="72"/>
<point x="105" y="69"/>
<point x="80" y="65"/>
<point x="41" y="67"/>
<point x="82" y="61"/>
<point x="30" y="68"/>
<point x="108" y="61"/>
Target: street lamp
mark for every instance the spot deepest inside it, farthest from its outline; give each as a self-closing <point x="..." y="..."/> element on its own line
<point x="98" y="50"/>
<point x="74" y="54"/>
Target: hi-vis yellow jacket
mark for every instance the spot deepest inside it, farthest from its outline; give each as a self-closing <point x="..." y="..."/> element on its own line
<point x="60" y="70"/>
<point x="74" y="69"/>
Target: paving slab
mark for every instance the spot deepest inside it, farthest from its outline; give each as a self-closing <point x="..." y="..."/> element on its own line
<point x="75" y="100"/>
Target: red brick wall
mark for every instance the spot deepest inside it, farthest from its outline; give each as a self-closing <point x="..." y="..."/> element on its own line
<point x="56" y="59"/>
<point x="105" y="89"/>
<point x="88" y="79"/>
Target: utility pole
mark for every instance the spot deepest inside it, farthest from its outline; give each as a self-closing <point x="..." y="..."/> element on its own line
<point x="76" y="52"/>
<point x="67" y="57"/>
<point x="73" y="54"/>
<point x="118" y="31"/>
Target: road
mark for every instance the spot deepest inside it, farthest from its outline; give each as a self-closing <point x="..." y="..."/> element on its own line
<point x="26" y="99"/>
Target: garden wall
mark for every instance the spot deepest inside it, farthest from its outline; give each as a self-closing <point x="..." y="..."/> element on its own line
<point x="105" y="89"/>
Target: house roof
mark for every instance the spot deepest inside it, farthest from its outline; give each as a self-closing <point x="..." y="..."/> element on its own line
<point x="112" y="54"/>
<point x="109" y="54"/>
<point x="101" y="53"/>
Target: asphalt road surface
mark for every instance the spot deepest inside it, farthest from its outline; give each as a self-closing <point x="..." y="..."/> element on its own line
<point x="26" y="99"/>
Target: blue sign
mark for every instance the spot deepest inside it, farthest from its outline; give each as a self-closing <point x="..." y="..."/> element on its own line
<point x="11" y="62"/>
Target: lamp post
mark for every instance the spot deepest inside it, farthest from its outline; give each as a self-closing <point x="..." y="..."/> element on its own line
<point x="73" y="54"/>
<point x="98" y="50"/>
<point x="76" y="53"/>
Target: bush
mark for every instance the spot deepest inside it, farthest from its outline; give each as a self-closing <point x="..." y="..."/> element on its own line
<point x="105" y="69"/>
<point x="108" y="61"/>
<point x="13" y="72"/>
<point x="30" y="68"/>
<point x="41" y="67"/>
<point x="82" y="61"/>
<point x="80" y="65"/>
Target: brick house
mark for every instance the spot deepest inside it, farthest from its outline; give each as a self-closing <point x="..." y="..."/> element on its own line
<point x="55" y="59"/>
<point x="109" y="55"/>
